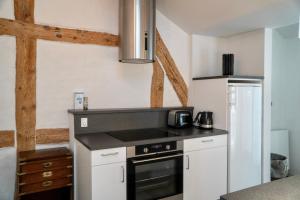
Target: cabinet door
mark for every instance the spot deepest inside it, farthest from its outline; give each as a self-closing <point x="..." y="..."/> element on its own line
<point x="109" y="182"/>
<point x="205" y="174"/>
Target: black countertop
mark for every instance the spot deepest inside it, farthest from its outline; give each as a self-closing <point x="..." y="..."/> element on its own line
<point x="283" y="189"/>
<point x="126" y="110"/>
<point x="101" y="140"/>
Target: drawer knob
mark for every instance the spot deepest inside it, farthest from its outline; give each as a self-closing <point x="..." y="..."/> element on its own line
<point x="47" y="174"/>
<point x="47" y="183"/>
<point x="47" y="164"/>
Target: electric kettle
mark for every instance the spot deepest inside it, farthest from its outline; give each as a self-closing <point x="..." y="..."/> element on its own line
<point x="204" y="120"/>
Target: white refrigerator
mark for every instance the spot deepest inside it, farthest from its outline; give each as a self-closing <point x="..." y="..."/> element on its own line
<point x="245" y="136"/>
<point x="237" y="107"/>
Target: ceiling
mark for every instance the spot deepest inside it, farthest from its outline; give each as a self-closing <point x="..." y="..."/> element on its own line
<point x="227" y="17"/>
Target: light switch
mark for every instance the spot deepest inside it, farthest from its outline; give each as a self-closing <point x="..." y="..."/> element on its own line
<point x="84" y="122"/>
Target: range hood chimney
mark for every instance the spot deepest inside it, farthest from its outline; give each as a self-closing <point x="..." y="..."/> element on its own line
<point x="137" y="31"/>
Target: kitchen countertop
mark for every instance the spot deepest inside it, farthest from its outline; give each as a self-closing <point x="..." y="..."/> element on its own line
<point x="283" y="189"/>
<point x="98" y="141"/>
<point x="126" y="110"/>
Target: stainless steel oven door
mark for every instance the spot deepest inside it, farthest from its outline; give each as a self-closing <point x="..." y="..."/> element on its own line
<point x="155" y="177"/>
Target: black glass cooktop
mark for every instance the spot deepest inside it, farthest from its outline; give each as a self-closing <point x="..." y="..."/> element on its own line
<point x="141" y="134"/>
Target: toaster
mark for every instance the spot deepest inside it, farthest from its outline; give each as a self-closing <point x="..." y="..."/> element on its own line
<point x="180" y="118"/>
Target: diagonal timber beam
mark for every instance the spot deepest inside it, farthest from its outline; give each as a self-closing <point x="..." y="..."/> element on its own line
<point x="171" y="70"/>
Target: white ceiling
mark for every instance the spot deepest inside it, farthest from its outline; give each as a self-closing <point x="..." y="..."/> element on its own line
<point x="227" y="17"/>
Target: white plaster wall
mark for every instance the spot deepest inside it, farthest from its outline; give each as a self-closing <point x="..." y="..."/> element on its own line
<point x="286" y="93"/>
<point x="267" y="105"/>
<point x="279" y="82"/>
<point x="94" y="15"/>
<point x="8" y="173"/>
<point x="62" y="68"/>
<point x="7" y="82"/>
<point x="206" y="52"/>
<point x="248" y="50"/>
<point x="7" y="115"/>
<point x="7" y="110"/>
<point x="7" y="9"/>
<point x="7" y="104"/>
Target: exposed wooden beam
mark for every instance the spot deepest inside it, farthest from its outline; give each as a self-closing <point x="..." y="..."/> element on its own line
<point x="7" y="139"/>
<point x="157" y="86"/>
<point x="25" y="93"/>
<point x="171" y="70"/>
<point x="43" y="136"/>
<point x="20" y="28"/>
<point x="24" y="10"/>
<point x="25" y="79"/>
<point x="52" y="136"/>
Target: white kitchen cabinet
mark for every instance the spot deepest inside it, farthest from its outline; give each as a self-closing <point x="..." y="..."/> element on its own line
<point x="101" y="175"/>
<point x="205" y="168"/>
<point x="109" y="182"/>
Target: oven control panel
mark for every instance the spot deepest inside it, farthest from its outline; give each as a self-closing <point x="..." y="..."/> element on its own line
<point x="155" y="148"/>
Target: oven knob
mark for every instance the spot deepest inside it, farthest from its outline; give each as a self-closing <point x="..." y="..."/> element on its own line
<point x="168" y="147"/>
<point x="146" y="150"/>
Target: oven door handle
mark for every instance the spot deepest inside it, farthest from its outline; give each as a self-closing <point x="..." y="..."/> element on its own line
<point x="159" y="158"/>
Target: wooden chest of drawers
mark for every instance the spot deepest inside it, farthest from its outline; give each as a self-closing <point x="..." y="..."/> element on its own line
<point x="44" y="170"/>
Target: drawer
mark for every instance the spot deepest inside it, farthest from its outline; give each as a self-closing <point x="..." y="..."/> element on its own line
<point x="107" y="156"/>
<point x="45" y="165"/>
<point x="45" y="185"/>
<point x="205" y="143"/>
<point x="45" y="175"/>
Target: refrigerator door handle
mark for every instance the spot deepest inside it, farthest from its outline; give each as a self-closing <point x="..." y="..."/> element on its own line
<point x="188" y="162"/>
<point x="232" y="97"/>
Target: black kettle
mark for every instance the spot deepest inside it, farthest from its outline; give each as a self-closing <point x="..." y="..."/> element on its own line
<point x="204" y="120"/>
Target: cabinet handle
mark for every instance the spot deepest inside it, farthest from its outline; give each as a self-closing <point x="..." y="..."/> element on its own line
<point x="47" y="164"/>
<point x="47" y="174"/>
<point x="205" y="141"/>
<point x="123" y="174"/>
<point x="47" y="183"/>
<point x="188" y="162"/>
<point x="21" y="194"/>
<point x="110" y="154"/>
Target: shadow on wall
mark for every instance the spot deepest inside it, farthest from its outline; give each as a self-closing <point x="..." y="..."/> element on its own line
<point x="8" y="173"/>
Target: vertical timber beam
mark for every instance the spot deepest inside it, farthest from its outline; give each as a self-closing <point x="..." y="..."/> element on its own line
<point x="157" y="86"/>
<point x="25" y="79"/>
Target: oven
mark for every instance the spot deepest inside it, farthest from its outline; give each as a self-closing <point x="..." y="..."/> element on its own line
<point x="155" y="171"/>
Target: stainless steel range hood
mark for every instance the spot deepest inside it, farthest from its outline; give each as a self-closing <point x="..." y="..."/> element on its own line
<point x="137" y="31"/>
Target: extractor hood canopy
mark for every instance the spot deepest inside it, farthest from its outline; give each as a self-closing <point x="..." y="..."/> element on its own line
<point x="137" y="25"/>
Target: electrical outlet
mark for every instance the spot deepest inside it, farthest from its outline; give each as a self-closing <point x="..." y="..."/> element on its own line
<point x="84" y="122"/>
